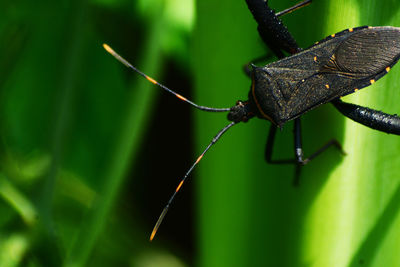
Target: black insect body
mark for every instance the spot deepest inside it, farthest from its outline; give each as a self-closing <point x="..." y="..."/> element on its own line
<point x="286" y="89"/>
<point x="353" y="59"/>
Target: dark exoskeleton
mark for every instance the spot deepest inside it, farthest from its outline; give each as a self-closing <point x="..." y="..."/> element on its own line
<point x="334" y="67"/>
<point x="286" y="89"/>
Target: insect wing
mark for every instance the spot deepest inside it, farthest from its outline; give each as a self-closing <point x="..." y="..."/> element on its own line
<point x="358" y="61"/>
<point x="366" y="54"/>
<point x="336" y="67"/>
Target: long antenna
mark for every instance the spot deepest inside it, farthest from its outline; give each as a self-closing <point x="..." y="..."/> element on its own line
<point x="165" y="210"/>
<point x="129" y="65"/>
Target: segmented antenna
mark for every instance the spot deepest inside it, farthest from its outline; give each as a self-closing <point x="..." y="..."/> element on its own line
<point x="293" y="8"/>
<point x="129" y="65"/>
<point x="213" y="141"/>
<point x="165" y="210"/>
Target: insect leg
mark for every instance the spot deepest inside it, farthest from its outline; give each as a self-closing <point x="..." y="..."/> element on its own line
<point x="298" y="150"/>
<point x="298" y="147"/>
<point x="269" y="148"/>
<point x="369" y="117"/>
<point x="271" y="29"/>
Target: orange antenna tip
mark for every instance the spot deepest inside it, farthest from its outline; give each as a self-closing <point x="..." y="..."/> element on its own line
<point x="108" y="49"/>
<point x="152" y="235"/>
<point x="119" y="58"/>
<point x="160" y="219"/>
<point x="214" y="140"/>
<point x="129" y="65"/>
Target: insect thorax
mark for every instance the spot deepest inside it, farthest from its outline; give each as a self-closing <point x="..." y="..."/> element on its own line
<point x="266" y="96"/>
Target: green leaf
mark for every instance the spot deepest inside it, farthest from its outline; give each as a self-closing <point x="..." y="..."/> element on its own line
<point x="345" y="211"/>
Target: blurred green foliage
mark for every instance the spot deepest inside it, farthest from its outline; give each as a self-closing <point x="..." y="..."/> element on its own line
<point x="73" y="125"/>
<point x="80" y="161"/>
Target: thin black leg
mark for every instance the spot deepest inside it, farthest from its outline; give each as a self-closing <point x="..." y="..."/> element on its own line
<point x="369" y="117"/>
<point x="299" y="147"/>
<point x="269" y="149"/>
<point x="298" y="150"/>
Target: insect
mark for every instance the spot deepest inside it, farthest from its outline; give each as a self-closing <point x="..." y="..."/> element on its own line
<point x="286" y="89"/>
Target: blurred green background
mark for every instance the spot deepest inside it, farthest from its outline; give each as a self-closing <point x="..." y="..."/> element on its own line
<point x="90" y="152"/>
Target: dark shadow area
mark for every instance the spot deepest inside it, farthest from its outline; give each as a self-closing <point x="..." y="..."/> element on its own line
<point x="166" y="149"/>
<point x="165" y="156"/>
